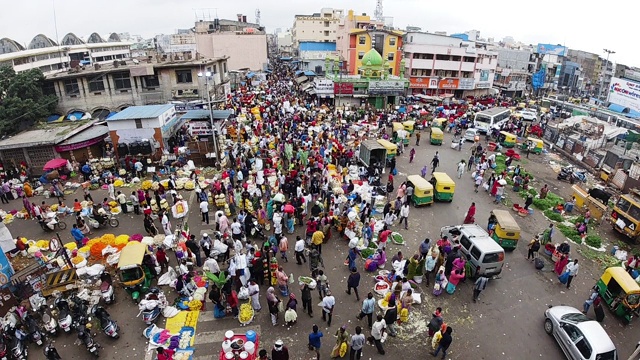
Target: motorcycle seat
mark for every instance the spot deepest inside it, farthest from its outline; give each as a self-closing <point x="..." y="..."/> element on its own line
<point x="104" y="286"/>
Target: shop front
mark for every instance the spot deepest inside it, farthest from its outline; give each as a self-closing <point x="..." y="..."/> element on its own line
<point x="383" y="93"/>
<point x="85" y="145"/>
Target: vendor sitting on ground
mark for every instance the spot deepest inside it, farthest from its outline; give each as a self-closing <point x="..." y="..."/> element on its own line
<point x="564" y="248"/>
<point x="581" y="228"/>
<point x="568" y="206"/>
<point x="558" y="209"/>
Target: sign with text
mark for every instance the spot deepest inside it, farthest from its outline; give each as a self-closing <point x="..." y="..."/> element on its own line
<point x="343" y="88"/>
<point x="389" y="87"/>
<point x="465" y="84"/>
<point x="323" y="86"/>
<point x="423" y="83"/>
<point x="451" y="84"/>
<point x="625" y="92"/>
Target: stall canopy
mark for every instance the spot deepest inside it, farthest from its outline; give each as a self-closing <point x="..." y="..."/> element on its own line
<point x="86" y="138"/>
<point x="54" y="164"/>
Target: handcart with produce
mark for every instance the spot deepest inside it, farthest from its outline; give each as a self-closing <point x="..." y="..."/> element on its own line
<point x="246" y="314"/>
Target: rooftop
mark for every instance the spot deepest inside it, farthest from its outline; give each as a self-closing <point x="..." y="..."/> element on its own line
<point x="142" y="65"/>
<point x="49" y="134"/>
<point x="141" y="112"/>
<point x="59" y="49"/>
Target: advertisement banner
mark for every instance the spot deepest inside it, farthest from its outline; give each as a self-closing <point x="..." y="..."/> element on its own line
<point x="465" y="84"/>
<point x="343" y="88"/>
<point x="423" y="83"/>
<point x="389" y="87"/>
<point x="483" y="85"/>
<point x="632" y="74"/>
<point x="323" y="86"/>
<point x="625" y="92"/>
<point x="6" y="270"/>
<point x="551" y="49"/>
<point x="449" y="84"/>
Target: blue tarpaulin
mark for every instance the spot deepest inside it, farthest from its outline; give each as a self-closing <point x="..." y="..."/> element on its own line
<point x="54" y="118"/>
<point x="305" y="73"/>
<point x="250" y="75"/>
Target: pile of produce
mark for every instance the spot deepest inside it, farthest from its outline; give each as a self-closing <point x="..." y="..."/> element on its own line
<point x="246" y="313"/>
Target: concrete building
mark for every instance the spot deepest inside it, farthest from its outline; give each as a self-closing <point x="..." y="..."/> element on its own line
<point x="243" y="43"/>
<point x="513" y="72"/>
<point x="48" y="56"/>
<point x="606" y="74"/>
<point x="318" y="27"/>
<point x="313" y="54"/>
<point x="101" y="89"/>
<point x="439" y="65"/>
<point x="285" y="43"/>
<point x="182" y="42"/>
<point x="155" y="124"/>
<point x="591" y="67"/>
<point x="570" y="75"/>
<point x="353" y="22"/>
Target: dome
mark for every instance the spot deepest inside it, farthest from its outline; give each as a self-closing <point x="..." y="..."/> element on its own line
<point x="372" y="58"/>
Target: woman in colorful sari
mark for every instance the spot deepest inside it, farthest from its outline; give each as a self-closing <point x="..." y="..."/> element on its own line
<point x="440" y="283"/>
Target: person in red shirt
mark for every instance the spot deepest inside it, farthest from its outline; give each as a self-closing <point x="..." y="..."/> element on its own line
<point x="163" y="261"/>
<point x="383" y="237"/>
<point x="165" y="354"/>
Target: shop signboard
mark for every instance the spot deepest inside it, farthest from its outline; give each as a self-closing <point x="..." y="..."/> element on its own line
<point x="549" y="49"/>
<point x="386" y="87"/>
<point x="451" y="84"/>
<point x="343" y="88"/>
<point x="465" y="83"/>
<point x="483" y="85"/>
<point x="625" y="92"/>
<point x="423" y="83"/>
<point x="323" y="86"/>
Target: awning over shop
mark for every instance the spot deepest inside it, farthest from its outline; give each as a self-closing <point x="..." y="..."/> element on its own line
<point x="250" y="75"/>
<point x="306" y="87"/>
<point x="301" y="79"/>
<point x="206" y="114"/>
<point x="55" y="118"/>
<point x="78" y="115"/>
<point x="83" y="139"/>
<point x="624" y="110"/>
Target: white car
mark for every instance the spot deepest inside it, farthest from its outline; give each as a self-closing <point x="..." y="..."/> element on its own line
<point x="579" y="337"/>
<point x="528" y="115"/>
<point x="470" y="134"/>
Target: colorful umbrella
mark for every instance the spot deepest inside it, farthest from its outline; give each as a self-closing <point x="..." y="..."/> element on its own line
<point x="54" y="164"/>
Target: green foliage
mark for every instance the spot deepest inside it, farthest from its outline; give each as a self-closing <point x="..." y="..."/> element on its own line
<point x="21" y="99"/>
<point x="549" y="213"/>
<point x="543" y="204"/>
<point x="533" y="191"/>
<point x="593" y="241"/>
<point x="570" y="232"/>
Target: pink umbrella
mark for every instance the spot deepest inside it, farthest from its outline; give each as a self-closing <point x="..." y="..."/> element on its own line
<point x="54" y="164"/>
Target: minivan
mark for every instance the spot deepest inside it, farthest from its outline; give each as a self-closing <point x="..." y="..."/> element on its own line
<point x="484" y="254"/>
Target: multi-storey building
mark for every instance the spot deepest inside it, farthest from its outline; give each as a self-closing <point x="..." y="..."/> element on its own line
<point x="591" y="67"/>
<point x="513" y="72"/>
<point x="318" y="27"/>
<point x="439" y="65"/>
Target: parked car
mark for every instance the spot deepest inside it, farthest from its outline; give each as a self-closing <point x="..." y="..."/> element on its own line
<point x="579" y="337"/>
<point x="470" y="134"/>
<point x="528" y="115"/>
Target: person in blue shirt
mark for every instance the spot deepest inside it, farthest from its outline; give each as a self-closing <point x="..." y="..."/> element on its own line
<point x="77" y="235"/>
<point x="314" y="341"/>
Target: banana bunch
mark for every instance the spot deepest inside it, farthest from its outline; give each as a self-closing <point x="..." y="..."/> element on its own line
<point x="192" y="318"/>
<point x="246" y="312"/>
<point x="248" y="206"/>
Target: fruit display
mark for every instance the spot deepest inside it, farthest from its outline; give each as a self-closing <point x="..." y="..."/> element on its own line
<point x="246" y="314"/>
<point x="192" y="318"/>
<point x="146" y="185"/>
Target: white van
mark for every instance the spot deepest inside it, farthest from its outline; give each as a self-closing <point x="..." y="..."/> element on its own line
<point x="484" y="253"/>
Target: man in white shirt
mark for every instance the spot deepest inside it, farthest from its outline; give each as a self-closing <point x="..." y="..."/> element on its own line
<point x="572" y="268"/>
<point x="404" y="215"/>
<point x="122" y="200"/>
<point x="236" y="229"/>
<point x="211" y="265"/>
<point x="328" y="303"/>
<point x="299" y="250"/>
<point x="204" y="209"/>
<point x="377" y="331"/>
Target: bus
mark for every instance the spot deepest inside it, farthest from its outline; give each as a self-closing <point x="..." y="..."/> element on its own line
<point x="485" y="120"/>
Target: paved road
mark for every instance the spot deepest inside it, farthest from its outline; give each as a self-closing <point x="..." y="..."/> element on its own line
<point x="505" y="324"/>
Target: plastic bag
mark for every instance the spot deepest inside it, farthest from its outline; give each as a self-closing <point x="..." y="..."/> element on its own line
<point x="170" y="312"/>
<point x="168" y="278"/>
<point x="243" y="294"/>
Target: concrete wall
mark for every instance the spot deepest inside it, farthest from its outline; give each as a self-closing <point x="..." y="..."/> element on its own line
<point x="244" y="50"/>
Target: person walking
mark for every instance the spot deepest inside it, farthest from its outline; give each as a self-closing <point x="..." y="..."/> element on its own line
<point x="377" y="332"/>
<point x="283" y="246"/>
<point x="273" y="301"/>
<point x="306" y="300"/>
<point x="368" y="306"/>
<point x="204" y="209"/>
<point x="436" y="322"/>
<point x="192" y="245"/>
<point x="592" y="297"/>
<point x="353" y="282"/>
<point x="328" y="304"/>
<point x="315" y="341"/>
<point x="404" y="215"/>
<point x="390" y="317"/>
<point x="418" y="138"/>
<point x="534" y="247"/>
<point x="412" y="154"/>
<point x="479" y="286"/>
<point x="572" y="268"/>
<point x="430" y="266"/>
<point x="435" y="162"/>
<point x="279" y="351"/>
<point x="357" y="343"/>
<point x="299" y="250"/>
<point x="445" y="342"/>
<point x="461" y="166"/>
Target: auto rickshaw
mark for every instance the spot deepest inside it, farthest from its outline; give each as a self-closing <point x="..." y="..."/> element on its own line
<point x="439" y="123"/>
<point x="400" y="132"/>
<point x="392" y="149"/>
<point x="443" y="186"/>
<point x="504" y="229"/>
<point x="534" y="145"/>
<point x="620" y="292"/>
<point x="134" y="276"/>
<point x="409" y="126"/>
<point x="422" y="190"/>
<point x="437" y="136"/>
<point x="507" y="139"/>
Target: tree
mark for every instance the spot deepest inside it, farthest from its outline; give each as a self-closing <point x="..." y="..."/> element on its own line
<point x="22" y="102"/>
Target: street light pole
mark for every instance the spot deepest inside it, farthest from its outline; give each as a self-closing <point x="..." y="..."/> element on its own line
<point x="206" y="76"/>
<point x="602" y="92"/>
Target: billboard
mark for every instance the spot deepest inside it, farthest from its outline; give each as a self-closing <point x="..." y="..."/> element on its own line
<point x="625" y="92"/>
<point x="551" y="49"/>
<point x="423" y="83"/>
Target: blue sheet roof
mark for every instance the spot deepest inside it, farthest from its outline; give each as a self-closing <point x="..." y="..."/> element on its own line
<point x="316" y="46"/>
<point x="305" y="73"/>
<point x="624" y="110"/>
<point x="141" y="112"/>
<point x="250" y="75"/>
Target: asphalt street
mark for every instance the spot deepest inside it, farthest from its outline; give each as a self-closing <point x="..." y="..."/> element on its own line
<point x="506" y="323"/>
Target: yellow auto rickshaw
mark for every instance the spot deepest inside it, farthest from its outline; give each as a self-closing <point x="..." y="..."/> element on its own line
<point x="400" y="132"/>
<point x="422" y="190"/>
<point x="409" y="126"/>
<point x="507" y="139"/>
<point x="392" y="149"/>
<point x="504" y="229"/>
<point x="436" y="136"/>
<point x="134" y="276"/>
<point x="443" y="186"/>
<point x="620" y="292"/>
<point x="439" y="123"/>
<point x="534" y="145"/>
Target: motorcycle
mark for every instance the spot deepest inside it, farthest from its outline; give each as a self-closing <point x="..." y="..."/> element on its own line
<point x="103" y="221"/>
<point x="50" y="324"/>
<point x="33" y="330"/>
<point x="18" y="350"/>
<point x="106" y="288"/>
<point x="151" y="306"/>
<point x="80" y="311"/>
<point x="85" y="337"/>
<point x="109" y="327"/>
<point x="3" y="348"/>
<point x="51" y="222"/>
<point x="569" y="173"/>
<point x="63" y="312"/>
<point x="256" y="229"/>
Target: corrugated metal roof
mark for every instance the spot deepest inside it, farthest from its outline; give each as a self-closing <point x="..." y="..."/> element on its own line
<point x="88" y="134"/>
<point x="141" y="112"/>
<point x="40" y="137"/>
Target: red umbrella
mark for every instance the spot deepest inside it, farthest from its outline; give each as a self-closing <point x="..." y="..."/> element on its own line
<point x="54" y="164"/>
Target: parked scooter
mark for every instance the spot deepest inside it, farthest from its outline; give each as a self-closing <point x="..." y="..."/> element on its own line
<point x="63" y="312"/>
<point x="109" y="327"/>
<point x="50" y="323"/>
<point x="33" y="330"/>
<point x="569" y="173"/>
<point x="84" y="335"/>
<point x="151" y="306"/>
<point x="255" y="229"/>
<point x="106" y="288"/>
<point x="3" y="348"/>
<point x="18" y="350"/>
<point x="80" y="311"/>
<point x="51" y="353"/>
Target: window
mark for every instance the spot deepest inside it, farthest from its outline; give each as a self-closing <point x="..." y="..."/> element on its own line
<point x="416" y="56"/>
<point x="468" y="59"/>
<point x="455" y="58"/>
<point x="392" y="41"/>
<point x="414" y="72"/>
<point x="183" y="77"/>
<point x="224" y="67"/>
<point x="151" y="81"/>
<point x="464" y="241"/>
<point x="138" y="123"/>
<point x="572" y="332"/>
<point x="49" y="88"/>
<point x="390" y="56"/>
<point x="71" y="87"/>
<point x="428" y="56"/>
<point x="362" y="40"/>
<point x="475" y="253"/>
<point x="491" y="258"/>
<point x="584" y="348"/>
<point x="360" y="55"/>
<point x="634" y="212"/>
<point x="122" y="80"/>
<point x="215" y="69"/>
<point x="326" y="24"/>
<point x="96" y="84"/>
<point x="442" y="57"/>
<point x="326" y="33"/>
